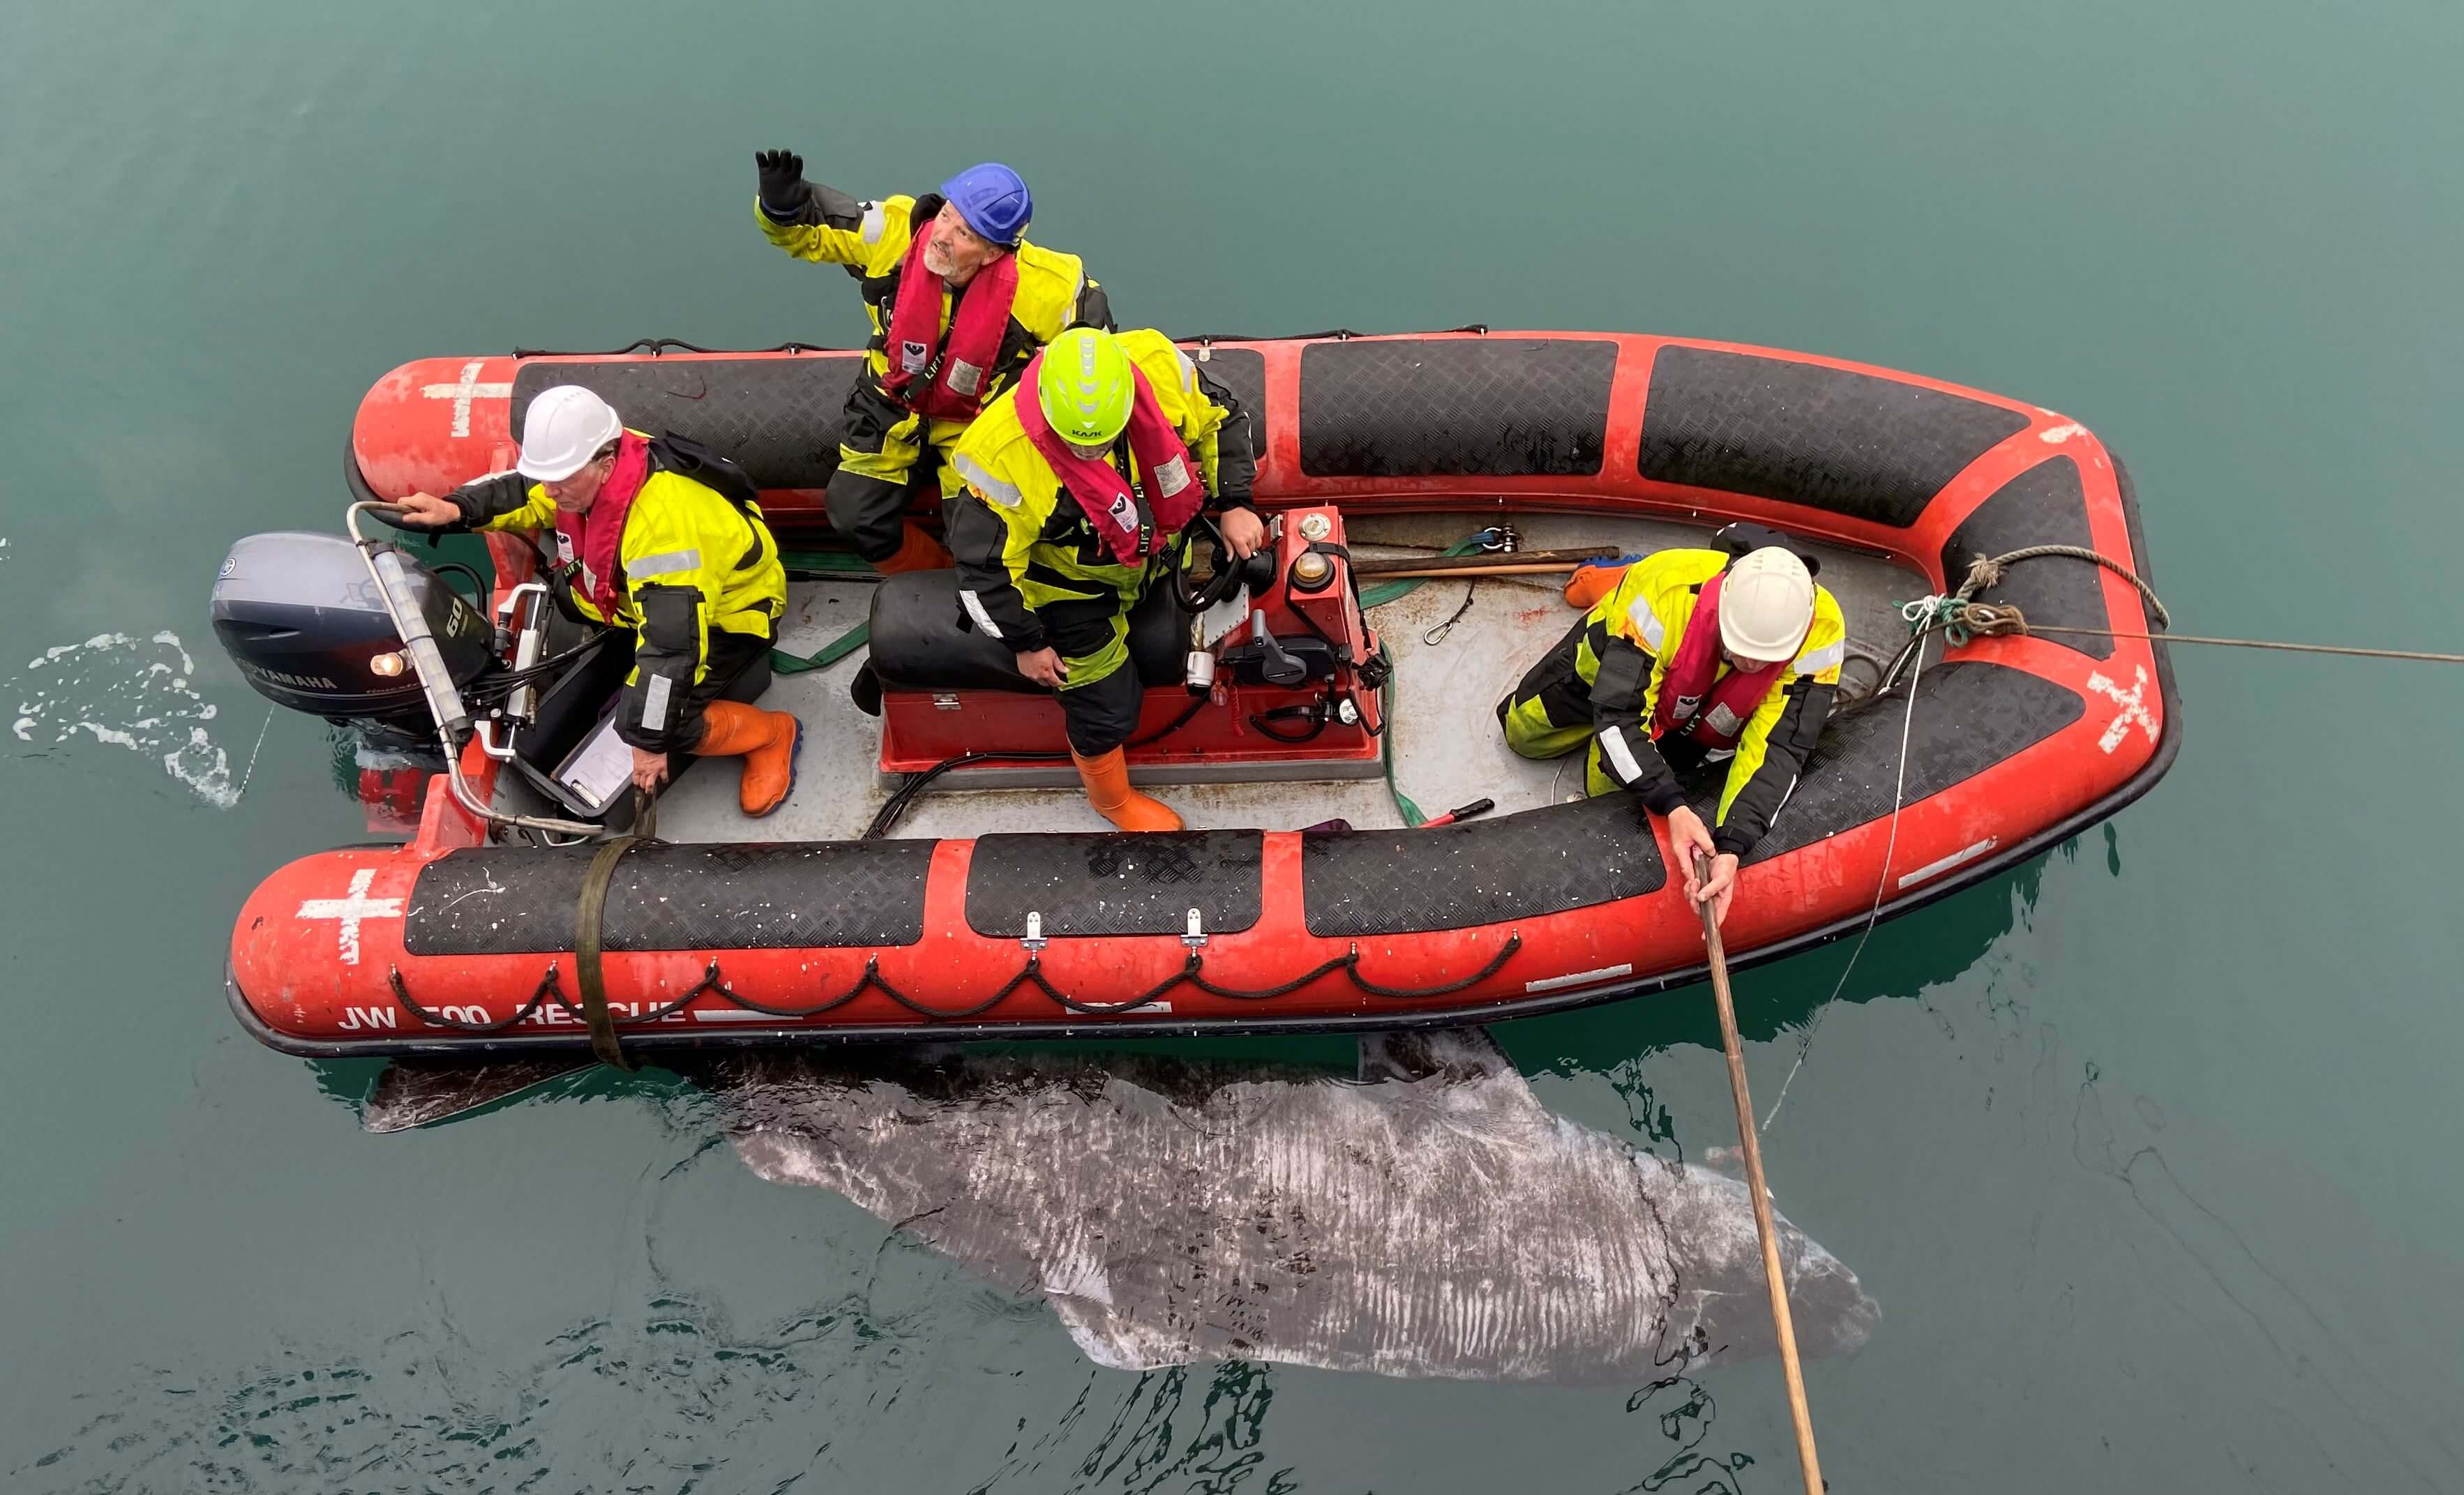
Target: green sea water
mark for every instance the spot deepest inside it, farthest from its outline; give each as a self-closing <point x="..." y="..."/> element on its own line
<point x="2147" y="1150"/>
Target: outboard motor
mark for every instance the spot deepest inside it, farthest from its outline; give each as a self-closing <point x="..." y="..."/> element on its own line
<point x="299" y="615"/>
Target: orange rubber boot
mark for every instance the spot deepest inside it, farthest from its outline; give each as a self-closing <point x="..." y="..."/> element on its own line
<point x="1107" y="789"/>
<point x="917" y="551"/>
<point x="1588" y="584"/>
<point x="768" y="742"/>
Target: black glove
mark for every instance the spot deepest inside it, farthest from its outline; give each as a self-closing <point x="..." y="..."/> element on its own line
<point x="783" y="188"/>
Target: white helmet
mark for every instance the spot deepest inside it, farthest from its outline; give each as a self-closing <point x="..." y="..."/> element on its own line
<point x="1765" y="606"/>
<point x="563" y="430"/>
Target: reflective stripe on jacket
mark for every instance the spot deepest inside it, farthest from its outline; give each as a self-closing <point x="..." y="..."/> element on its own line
<point x="694" y="562"/>
<point x="1021" y="542"/>
<point x="1629" y="639"/>
<point x="871" y="239"/>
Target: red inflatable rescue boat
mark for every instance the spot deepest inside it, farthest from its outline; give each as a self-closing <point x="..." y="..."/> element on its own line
<point x="473" y="940"/>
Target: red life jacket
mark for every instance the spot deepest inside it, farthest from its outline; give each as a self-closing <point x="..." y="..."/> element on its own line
<point x="946" y="382"/>
<point x="1130" y="530"/>
<point x="596" y="537"/>
<point x="1694" y="674"/>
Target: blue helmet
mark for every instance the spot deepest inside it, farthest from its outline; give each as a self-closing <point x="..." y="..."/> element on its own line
<point x="994" y="200"/>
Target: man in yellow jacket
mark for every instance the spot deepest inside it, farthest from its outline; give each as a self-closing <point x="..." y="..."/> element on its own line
<point x="664" y="537"/>
<point x="959" y="300"/>
<point x="1079" y="481"/>
<point x="1690" y="658"/>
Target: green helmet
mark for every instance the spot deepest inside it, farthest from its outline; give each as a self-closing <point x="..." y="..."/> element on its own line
<point x="1086" y="387"/>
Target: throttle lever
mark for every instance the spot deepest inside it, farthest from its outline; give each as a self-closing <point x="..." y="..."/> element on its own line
<point x="1274" y="662"/>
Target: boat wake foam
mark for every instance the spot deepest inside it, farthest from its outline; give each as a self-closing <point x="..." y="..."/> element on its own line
<point x="130" y="692"/>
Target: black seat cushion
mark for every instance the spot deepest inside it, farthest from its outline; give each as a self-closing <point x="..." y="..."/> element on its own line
<point x="918" y="642"/>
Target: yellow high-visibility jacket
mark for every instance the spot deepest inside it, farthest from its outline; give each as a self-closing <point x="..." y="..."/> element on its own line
<point x="1020" y="540"/>
<point x="870" y="239"/>
<point x="695" y="564"/>
<point x="1629" y="639"/>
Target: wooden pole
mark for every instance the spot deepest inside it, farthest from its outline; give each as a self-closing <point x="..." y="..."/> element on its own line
<point x="1782" y="1325"/>
<point x="1396" y="564"/>
<point x="1500" y="568"/>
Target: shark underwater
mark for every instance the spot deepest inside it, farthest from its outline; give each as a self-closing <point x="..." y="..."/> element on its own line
<point x="1427" y="1216"/>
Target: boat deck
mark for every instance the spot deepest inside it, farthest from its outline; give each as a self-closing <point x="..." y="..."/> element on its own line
<point x="1448" y="750"/>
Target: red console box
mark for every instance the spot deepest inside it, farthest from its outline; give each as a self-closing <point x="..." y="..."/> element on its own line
<point x="1219" y="742"/>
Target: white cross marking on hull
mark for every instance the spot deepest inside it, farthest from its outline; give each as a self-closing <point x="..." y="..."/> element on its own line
<point x="463" y="394"/>
<point x="2133" y="708"/>
<point x="356" y="904"/>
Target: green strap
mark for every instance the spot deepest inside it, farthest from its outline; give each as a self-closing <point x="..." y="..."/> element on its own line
<point x="586" y="951"/>
<point x="824" y="565"/>
<point x="587" y="934"/>
<point x="1385" y="592"/>
<point x="1403" y="806"/>
<point x="830" y="653"/>
<point x="807" y="565"/>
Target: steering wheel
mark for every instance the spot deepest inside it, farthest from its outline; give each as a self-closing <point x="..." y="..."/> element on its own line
<point x="1228" y="575"/>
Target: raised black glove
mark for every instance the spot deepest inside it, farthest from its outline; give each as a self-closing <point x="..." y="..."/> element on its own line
<point x="783" y="188"/>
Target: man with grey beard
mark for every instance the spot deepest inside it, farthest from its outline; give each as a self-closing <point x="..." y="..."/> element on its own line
<point x="959" y="301"/>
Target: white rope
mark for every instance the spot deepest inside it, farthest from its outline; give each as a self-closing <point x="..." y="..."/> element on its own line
<point x="1881" y="884"/>
<point x="252" y="757"/>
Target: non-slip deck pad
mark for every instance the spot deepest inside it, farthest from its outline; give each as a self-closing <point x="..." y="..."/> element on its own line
<point x="1243" y="372"/>
<point x="1543" y="860"/>
<point x="1829" y="438"/>
<point x="1112" y="883"/>
<point x="2042" y="506"/>
<point x="508" y="900"/>
<point x="1970" y="715"/>
<point x="1475" y="407"/>
<point x="781" y="419"/>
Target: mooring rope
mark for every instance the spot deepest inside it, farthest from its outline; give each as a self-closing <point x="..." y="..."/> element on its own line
<point x="251" y="773"/>
<point x="1986" y="571"/>
<point x="1959" y="617"/>
<point x="1881" y="885"/>
<point x="1967" y="620"/>
<point x="1962" y="617"/>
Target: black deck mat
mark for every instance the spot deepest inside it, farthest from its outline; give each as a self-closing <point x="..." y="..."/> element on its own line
<point x="778" y="418"/>
<point x="2044" y="505"/>
<point x="1112" y="883"/>
<point x="507" y="900"/>
<point x="1855" y="444"/>
<point x="1970" y="715"/>
<point x="1486" y="406"/>
<point x="1243" y="372"/>
<point x="1487" y="871"/>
